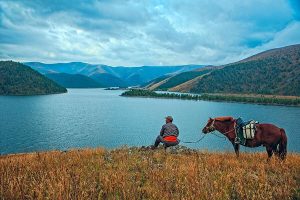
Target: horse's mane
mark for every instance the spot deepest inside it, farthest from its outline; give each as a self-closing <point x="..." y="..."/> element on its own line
<point x="223" y="119"/>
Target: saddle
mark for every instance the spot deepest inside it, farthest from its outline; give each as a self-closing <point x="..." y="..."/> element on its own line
<point x="245" y="130"/>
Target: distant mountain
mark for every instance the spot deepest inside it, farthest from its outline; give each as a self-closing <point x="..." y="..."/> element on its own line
<point x="108" y="80"/>
<point x="275" y="72"/>
<point x="19" y="79"/>
<point x="112" y="76"/>
<point x="73" y="80"/>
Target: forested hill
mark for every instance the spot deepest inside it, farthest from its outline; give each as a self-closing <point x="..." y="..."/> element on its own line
<point x="172" y="81"/>
<point x="275" y="72"/>
<point x="19" y="79"/>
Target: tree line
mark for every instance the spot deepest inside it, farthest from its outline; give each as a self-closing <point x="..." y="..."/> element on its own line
<point x="211" y="97"/>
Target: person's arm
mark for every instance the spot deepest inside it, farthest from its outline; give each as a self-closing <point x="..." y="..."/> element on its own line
<point x="177" y="131"/>
<point x="162" y="131"/>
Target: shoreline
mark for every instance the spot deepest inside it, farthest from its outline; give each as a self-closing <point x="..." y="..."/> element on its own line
<point x="228" y="98"/>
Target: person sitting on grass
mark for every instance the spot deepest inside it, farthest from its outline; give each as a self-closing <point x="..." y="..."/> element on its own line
<point x="168" y="134"/>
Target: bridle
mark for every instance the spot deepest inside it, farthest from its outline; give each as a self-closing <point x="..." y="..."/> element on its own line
<point x="212" y="128"/>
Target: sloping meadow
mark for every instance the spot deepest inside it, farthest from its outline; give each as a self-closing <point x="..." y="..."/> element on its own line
<point x="135" y="173"/>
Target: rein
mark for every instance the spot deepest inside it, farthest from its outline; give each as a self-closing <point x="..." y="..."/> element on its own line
<point x="211" y="127"/>
<point x="229" y="131"/>
<point x="188" y="142"/>
<point x="222" y="137"/>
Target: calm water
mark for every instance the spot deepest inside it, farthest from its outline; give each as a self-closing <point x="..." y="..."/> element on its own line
<point x="96" y="117"/>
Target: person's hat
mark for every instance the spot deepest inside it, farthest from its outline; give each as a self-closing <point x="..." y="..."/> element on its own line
<point x="169" y="118"/>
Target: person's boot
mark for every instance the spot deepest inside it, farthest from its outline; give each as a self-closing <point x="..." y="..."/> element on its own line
<point x="152" y="147"/>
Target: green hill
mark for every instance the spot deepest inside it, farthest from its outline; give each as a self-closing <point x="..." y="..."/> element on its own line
<point x="275" y="72"/>
<point x="157" y="80"/>
<point x="181" y="78"/>
<point x="73" y="80"/>
<point x="168" y="82"/>
<point x="19" y="79"/>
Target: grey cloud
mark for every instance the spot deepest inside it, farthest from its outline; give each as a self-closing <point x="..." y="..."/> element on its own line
<point x="128" y="32"/>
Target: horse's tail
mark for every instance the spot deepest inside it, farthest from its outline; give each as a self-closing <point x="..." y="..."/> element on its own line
<point x="282" y="145"/>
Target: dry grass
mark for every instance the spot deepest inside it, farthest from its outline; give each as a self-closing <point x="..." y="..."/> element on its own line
<point x="156" y="85"/>
<point x="131" y="173"/>
<point x="186" y="86"/>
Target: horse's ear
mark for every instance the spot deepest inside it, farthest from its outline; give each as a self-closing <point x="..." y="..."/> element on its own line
<point x="210" y="118"/>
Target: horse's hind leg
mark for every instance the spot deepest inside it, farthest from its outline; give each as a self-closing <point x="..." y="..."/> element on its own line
<point x="269" y="151"/>
<point x="276" y="150"/>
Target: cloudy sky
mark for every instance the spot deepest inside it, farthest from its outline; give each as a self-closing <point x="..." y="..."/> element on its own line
<point x="145" y="32"/>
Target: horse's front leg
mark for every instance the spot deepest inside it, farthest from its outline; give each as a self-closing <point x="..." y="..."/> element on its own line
<point x="236" y="149"/>
<point x="270" y="152"/>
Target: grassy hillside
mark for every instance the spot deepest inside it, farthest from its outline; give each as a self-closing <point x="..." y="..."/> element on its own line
<point x="133" y="173"/>
<point x="18" y="79"/>
<point x="167" y="82"/>
<point x="186" y="86"/>
<point x="273" y="72"/>
<point x="73" y="80"/>
<point x="181" y="78"/>
<point x="157" y="80"/>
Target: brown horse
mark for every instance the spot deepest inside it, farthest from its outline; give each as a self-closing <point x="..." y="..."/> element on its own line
<point x="268" y="135"/>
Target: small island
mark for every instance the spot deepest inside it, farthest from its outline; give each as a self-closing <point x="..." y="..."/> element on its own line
<point x="257" y="99"/>
<point x="19" y="79"/>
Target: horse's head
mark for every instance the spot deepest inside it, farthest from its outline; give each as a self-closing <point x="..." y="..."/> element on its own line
<point x="209" y="127"/>
<point x="220" y="124"/>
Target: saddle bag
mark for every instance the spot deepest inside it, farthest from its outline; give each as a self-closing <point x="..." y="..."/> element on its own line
<point x="249" y="130"/>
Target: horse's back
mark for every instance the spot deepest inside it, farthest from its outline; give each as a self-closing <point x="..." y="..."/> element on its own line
<point x="268" y="132"/>
<point x="268" y="127"/>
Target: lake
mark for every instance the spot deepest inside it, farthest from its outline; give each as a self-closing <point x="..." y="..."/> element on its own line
<point x="92" y="118"/>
